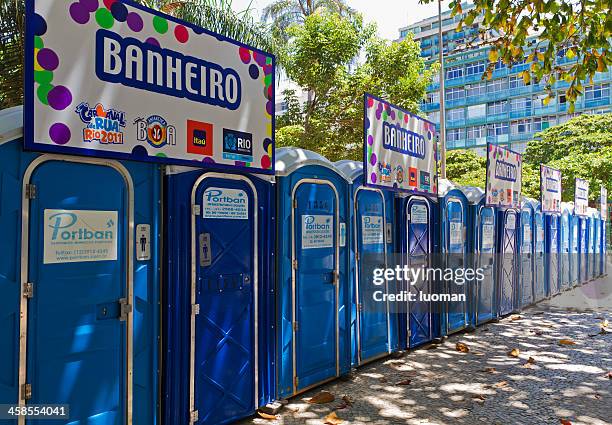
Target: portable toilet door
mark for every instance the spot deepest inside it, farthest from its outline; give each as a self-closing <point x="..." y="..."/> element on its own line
<point x="527" y="254"/>
<point x="552" y="230"/>
<point x="564" y="244"/>
<point x="483" y="221"/>
<point x="419" y="319"/>
<point x="79" y="296"/>
<point x="371" y="242"/>
<point x="454" y="206"/>
<point x="507" y="275"/>
<point x="583" y="248"/>
<point x="539" y="283"/>
<point x="219" y="301"/>
<point x="593" y="242"/>
<point x="573" y="252"/>
<point x="596" y="265"/>
<point x="313" y="289"/>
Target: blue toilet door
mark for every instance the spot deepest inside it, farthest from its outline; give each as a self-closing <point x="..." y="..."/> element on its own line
<point x="419" y="249"/>
<point x="574" y="253"/>
<point x="583" y="250"/>
<point x="539" y="288"/>
<point x="224" y="288"/>
<point x="456" y="251"/>
<point x="486" y="256"/>
<point x="526" y="258"/>
<point x="564" y="269"/>
<point x="77" y="341"/>
<point x="508" y="266"/>
<point x="370" y="246"/>
<point x="553" y="260"/>
<point x="316" y="283"/>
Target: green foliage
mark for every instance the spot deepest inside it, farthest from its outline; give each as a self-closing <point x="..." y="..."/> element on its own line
<point x="466" y="168"/>
<point x="294" y="115"/>
<point x="581" y="29"/>
<point x="11" y="52"/>
<point x="320" y="57"/>
<point x="289" y="136"/>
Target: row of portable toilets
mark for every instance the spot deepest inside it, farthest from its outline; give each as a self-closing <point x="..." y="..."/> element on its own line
<point x="226" y="315"/>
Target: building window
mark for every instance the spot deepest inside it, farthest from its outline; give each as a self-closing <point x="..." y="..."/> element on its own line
<point x="477" y="111"/>
<point x="434" y="116"/>
<point x="598" y="91"/>
<point x="497" y="86"/>
<point x="476" y="132"/>
<point x="454" y="135"/>
<point x="539" y="101"/>
<point x="520" y="127"/>
<point x="497" y="129"/>
<point x="499" y="65"/>
<point x="499" y="107"/>
<point x="455" y="114"/>
<point x="433" y="97"/>
<point x="475" y="68"/>
<point x="520" y="104"/>
<point x="455" y="93"/>
<point x="454" y="72"/>
<point x="517" y="81"/>
<point x="542" y="123"/>
<point x="474" y="90"/>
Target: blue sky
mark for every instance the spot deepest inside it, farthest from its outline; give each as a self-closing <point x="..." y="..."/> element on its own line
<point x="390" y="15"/>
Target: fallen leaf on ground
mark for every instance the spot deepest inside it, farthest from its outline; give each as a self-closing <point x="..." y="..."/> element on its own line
<point x="460" y="346"/>
<point x="603" y="324"/>
<point x="322" y="398"/>
<point x="501" y="384"/>
<point x="610" y="375"/>
<point x="538" y="332"/>
<point x="490" y="369"/>
<point x="514" y="352"/>
<point x="565" y="422"/>
<point x="267" y="416"/>
<point x="348" y="400"/>
<point x="404" y="382"/>
<point x="566" y="342"/>
<point x="597" y="396"/>
<point x="531" y="360"/>
<point x="514" y="318"/>
<point x="383" y="380"/>
<point x="332" y="419"/>
<point x="479" y="397"/>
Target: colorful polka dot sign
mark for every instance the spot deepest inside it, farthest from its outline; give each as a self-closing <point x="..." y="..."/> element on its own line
<point x="117" y="80"/>
<point x="504" y="171"/>
<point x="399" y="149"/>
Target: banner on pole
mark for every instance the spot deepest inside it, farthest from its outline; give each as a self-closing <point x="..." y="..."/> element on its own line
<point x="581" y="197"/>
<point x="603" y="199"/>
<point x="550" y="189"/>
<point x="504" y="177"/>
<point x="399" y="149"/>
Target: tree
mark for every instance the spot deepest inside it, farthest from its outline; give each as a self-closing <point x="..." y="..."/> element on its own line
<point x="466" y="168"/>
<point x="573" y="28"/>
<point x="12" y="18"/>
<point x="320" y="58"/>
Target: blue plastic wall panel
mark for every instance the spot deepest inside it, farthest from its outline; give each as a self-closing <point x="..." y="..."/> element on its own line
<point x="582" y="249"/>
<point x="229" y="358"/>
<point x="77" y="344"/>
<point x="507" y="275"/>
<point x="526" y="257"/>
<point x="539" y="274"/>
<point x="564" y="251"/>
<point x="482" y="245"/>
<point x="574" y="260"/>
<point x="454" y="224"/>
<point x="552" y="229"/>
<point x="322" y="308"/>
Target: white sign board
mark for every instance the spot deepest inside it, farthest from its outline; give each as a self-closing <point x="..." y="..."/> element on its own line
<point x="72" y="236"/>
<point x="221" y="202"/>
<point x="604" y="203"/>
<point x="143" y="242"/>
<point x="372" y="230"/>
<point x="550" y="189"/>
<point x="581" y="197"/>
<point x="504" y="175"/>
<point x="317" y="231"/>
<point x="456" y="233"/>
<point x="116" y="79"/>
<point x="487" y="236"/>
<point x="399" y="149"/>
<point x="527" y="237"/>
<point x="418" y="214"/>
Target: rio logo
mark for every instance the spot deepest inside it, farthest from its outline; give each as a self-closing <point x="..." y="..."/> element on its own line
<point x="104" y="126"/>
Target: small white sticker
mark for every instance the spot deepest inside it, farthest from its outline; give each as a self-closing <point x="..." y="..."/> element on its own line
<point x="487" y="236"/>
<point x="317" y="231"/>
<point x="511" y="221"/>
<point x="143" y="242"/>
<point x="371" y="230"/>
<point x="72" y="236"/>
<point x="342" y="234"/>
<point x="456" y="233"/>
<point x="220" y="202"/>
<point x="418" y="214"/>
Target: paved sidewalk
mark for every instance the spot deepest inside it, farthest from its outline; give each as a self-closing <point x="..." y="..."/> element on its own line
<point x="440" y="385"/>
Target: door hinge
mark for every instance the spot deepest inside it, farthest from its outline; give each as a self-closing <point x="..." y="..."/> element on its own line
<point x="294" y="264"/>
<point x="125" y="309"/>
<point x="30" y="191"/>
<point x="26" y="391"/>
<point x="295" y="326"/>
<point x="28" y="290"/>
<point x="409" y="332"/>
<point x="294" y="203"/>
<point x="296" y="381"/>
<point x="336" y="277"/>
<point x="195" y="309"/>
<point x="195" y="209"/>
<point x="194" y="416"/>
<point x="360" y="307"/>
<point x="357" y="256"/>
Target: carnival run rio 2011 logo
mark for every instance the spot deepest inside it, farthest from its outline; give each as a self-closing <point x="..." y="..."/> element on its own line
<point x="103" y="125"/>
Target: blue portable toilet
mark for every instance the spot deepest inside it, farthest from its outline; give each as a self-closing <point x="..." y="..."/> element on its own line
<point x="79" y="279"/>
<point x="574" y="255"/>
<point x="539" y="282"/>
<point x="313" y="281"/>
<point x="594" y="235"/>
<point x="507" y="249"/>
<point x="565" y="238"/>
<point x="219" y="309"/>
<point x="603" y="259"/>
<point x="527" y="252"/>
<point x="417" y="218"/>
<point x="583" y="250"/>
<point x="551" y="231"/>
<point x="454" y="221"/>
<point x="481" y="245"/>
<point x="373" y="323"/>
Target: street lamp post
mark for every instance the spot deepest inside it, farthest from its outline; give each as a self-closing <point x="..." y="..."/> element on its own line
<point x="442" y="109"/>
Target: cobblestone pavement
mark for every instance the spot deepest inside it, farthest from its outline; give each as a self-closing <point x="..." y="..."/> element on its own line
<point x="440" y="385"/>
